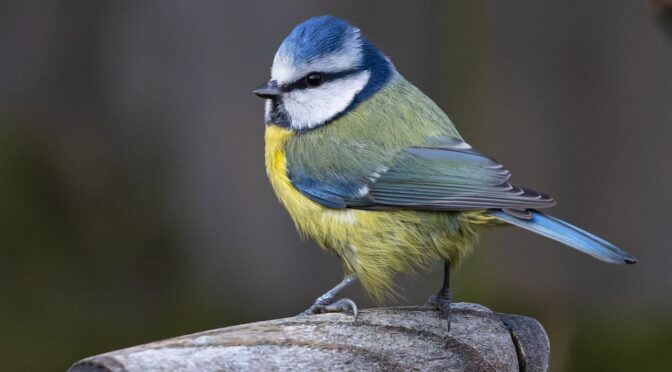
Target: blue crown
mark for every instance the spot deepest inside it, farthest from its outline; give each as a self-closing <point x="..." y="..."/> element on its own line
<point x="325" y="35"/>
<point x="317" y="37"/>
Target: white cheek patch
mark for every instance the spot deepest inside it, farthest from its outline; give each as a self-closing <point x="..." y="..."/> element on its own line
<point x="308" y="108"/>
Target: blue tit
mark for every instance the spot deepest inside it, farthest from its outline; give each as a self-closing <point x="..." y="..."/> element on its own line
<point x="375" y="172"/>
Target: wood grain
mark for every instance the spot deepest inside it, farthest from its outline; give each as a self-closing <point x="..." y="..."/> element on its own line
<point x="394" y="338"/>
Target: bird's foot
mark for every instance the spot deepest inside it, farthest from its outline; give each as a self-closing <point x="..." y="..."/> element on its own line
<point x="327" y="303"/>
<point x="322" y="306"/>
<point x="442" y="302"/>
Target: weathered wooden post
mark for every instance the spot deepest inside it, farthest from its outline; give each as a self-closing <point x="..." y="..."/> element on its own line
<point x="395" y="338"/>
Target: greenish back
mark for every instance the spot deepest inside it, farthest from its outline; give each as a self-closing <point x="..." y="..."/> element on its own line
<point x="352" y="147"/>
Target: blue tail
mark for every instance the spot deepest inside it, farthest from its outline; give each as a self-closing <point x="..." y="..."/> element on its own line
<point x="568" y="234"/>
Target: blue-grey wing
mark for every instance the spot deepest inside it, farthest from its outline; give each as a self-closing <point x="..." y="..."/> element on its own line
<point x="331" y="190"/>
<point x="443" y="174"/>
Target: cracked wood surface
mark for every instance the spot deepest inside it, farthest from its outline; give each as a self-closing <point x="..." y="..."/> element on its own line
<point x="394" y="338"/>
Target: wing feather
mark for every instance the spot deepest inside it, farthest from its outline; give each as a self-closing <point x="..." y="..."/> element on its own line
<point x="445" y="174"/>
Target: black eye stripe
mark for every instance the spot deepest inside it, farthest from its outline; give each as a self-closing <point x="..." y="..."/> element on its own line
<point x="328" y="76"/>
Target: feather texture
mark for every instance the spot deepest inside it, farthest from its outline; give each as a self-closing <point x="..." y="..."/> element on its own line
<point x="373" y="244"/>
<point x="391" y="191"/>
<point x="568" y="234"/>
<point x="435" y="172"/>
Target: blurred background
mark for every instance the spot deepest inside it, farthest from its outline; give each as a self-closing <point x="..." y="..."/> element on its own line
<point x="134" y="204"/>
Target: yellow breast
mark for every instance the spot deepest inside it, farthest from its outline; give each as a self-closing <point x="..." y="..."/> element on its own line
<point x="312" y="219"/>
<point x="372" y="244"/>
<point x="276" y="168"/>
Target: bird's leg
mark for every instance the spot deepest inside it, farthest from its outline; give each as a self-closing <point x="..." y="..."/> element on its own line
<point x="326" y="303"/>
<point x="443" y="298"/>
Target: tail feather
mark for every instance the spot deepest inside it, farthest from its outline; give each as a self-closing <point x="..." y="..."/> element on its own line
<point x="568" y="234"/>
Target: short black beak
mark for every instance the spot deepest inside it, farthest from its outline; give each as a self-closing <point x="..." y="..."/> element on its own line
<point x="268" y="90"/>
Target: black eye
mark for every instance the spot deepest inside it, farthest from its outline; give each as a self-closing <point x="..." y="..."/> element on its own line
<point x="314" y="80"/>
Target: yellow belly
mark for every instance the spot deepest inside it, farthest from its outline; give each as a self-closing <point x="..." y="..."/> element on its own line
<point x="372" y="244"/>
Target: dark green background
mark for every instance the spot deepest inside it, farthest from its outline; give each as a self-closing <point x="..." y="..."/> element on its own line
<point x="134" y="204"/>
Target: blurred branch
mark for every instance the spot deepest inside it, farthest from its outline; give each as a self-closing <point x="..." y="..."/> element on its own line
<point x="401" y="338"/>
<point x="663" y="12"/>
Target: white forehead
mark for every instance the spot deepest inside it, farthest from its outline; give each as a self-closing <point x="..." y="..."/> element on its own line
<point x="287" y="70"/>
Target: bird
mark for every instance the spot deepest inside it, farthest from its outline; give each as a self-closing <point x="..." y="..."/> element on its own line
<point x="374" y="171"/>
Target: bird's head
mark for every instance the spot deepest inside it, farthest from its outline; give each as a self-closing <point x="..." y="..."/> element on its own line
<point x="322" y="70"/>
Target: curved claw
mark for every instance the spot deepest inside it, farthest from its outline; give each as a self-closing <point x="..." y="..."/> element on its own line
<point x="344" y="305"/>
<point x="326" y="304"/>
